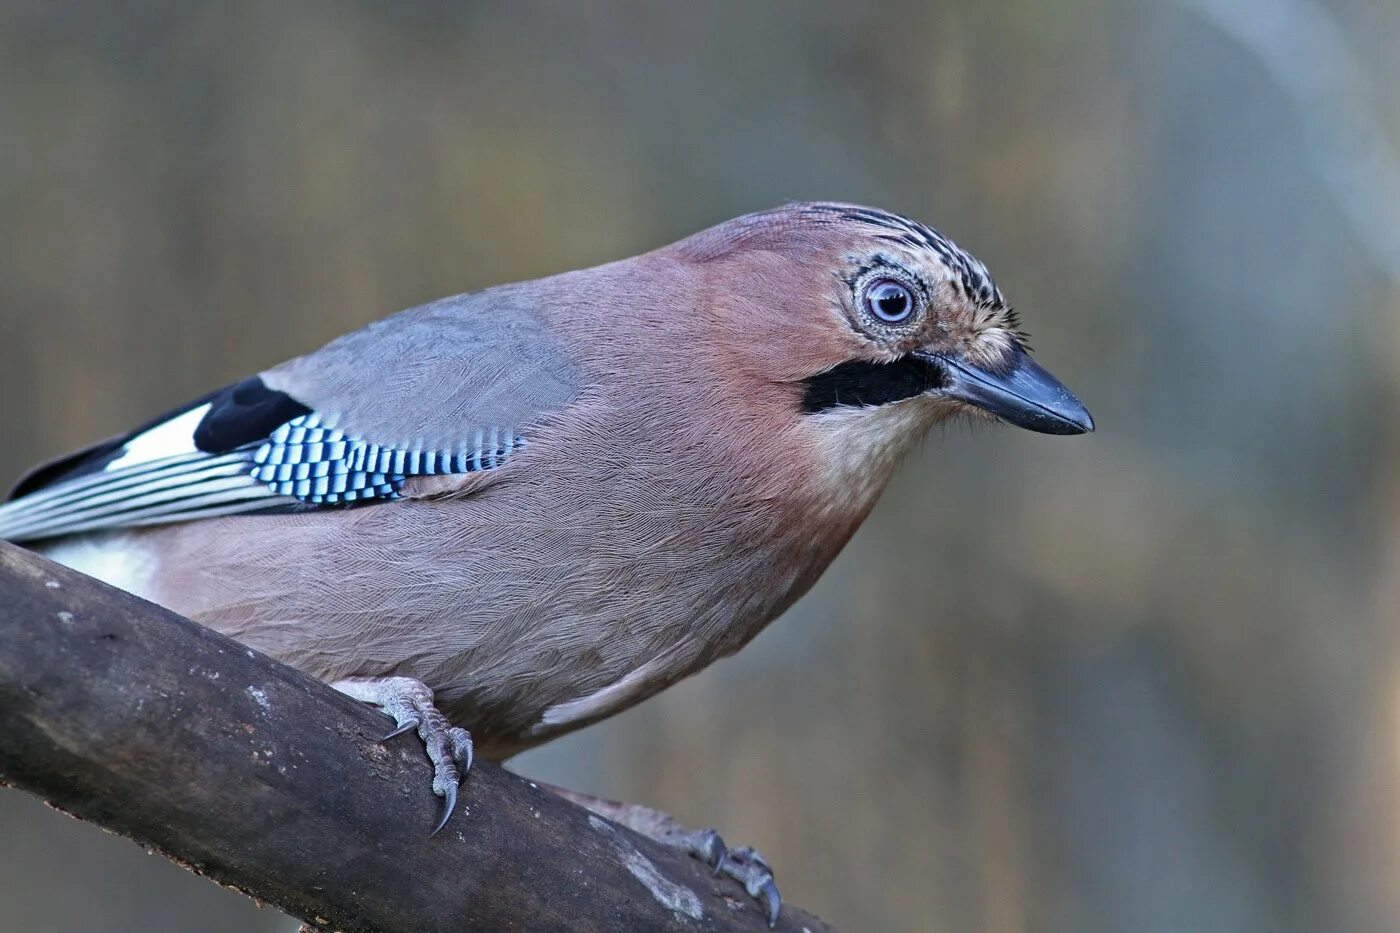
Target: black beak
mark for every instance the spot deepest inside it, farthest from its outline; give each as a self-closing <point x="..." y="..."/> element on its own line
<point x="1023" y="394"/>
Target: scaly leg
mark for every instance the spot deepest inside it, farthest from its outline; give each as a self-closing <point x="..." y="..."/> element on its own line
<point x="743" y="864"/>
<point x="410" y="703"/>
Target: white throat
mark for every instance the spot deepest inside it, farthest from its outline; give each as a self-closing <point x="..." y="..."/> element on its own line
<point x="863" y="445"/>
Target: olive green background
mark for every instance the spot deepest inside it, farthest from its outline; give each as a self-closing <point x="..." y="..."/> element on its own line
<point x="1145" y="680"/>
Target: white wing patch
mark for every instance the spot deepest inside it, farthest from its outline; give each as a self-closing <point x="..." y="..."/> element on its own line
<point x="172" y="438"/>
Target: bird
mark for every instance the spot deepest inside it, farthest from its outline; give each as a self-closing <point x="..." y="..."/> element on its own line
<point x="503" y="516"/>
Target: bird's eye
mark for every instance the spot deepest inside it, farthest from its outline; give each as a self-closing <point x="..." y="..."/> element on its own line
<point x="889" y="301"/>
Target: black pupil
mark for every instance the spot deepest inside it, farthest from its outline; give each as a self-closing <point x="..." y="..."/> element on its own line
<point x="891" y="301"/>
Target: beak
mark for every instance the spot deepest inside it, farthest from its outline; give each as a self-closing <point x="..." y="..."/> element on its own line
<point x="1023" y="394"/>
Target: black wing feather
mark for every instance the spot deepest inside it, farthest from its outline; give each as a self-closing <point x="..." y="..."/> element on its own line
<point x="244" y="413"/>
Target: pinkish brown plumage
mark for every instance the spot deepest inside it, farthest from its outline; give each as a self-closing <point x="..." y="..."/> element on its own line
<point x="700" y="430"/>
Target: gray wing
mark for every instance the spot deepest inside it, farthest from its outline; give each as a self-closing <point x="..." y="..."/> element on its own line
<point x="449" y="387"/>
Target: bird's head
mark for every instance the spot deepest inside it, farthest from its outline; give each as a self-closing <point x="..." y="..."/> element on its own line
<point x="880" y="326"/>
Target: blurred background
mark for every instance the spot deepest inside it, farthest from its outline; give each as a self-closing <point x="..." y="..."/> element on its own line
<point x="1145" y="680"/>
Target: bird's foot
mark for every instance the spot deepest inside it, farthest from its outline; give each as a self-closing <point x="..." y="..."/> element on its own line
<point x="410" y="703"/>
<point x="750" y="869"/>
<point x="743" y="864"/>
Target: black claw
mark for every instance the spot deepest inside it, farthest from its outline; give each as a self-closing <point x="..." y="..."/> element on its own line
<point x="406" y="727"/>
<point x="449" y="804"/>
<point x="773" y="899"/>
<point x="719" y="853"/>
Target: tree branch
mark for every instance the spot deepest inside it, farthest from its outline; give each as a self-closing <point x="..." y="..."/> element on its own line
<point x="253" y="774"/>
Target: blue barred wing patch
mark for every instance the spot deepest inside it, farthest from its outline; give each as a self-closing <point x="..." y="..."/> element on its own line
<point x="308" y="460"/>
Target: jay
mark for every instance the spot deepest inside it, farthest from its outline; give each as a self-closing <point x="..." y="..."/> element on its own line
<point x="506" y="515"/>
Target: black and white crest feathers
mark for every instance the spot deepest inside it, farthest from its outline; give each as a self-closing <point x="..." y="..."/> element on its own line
<point x="970" y="274"/>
